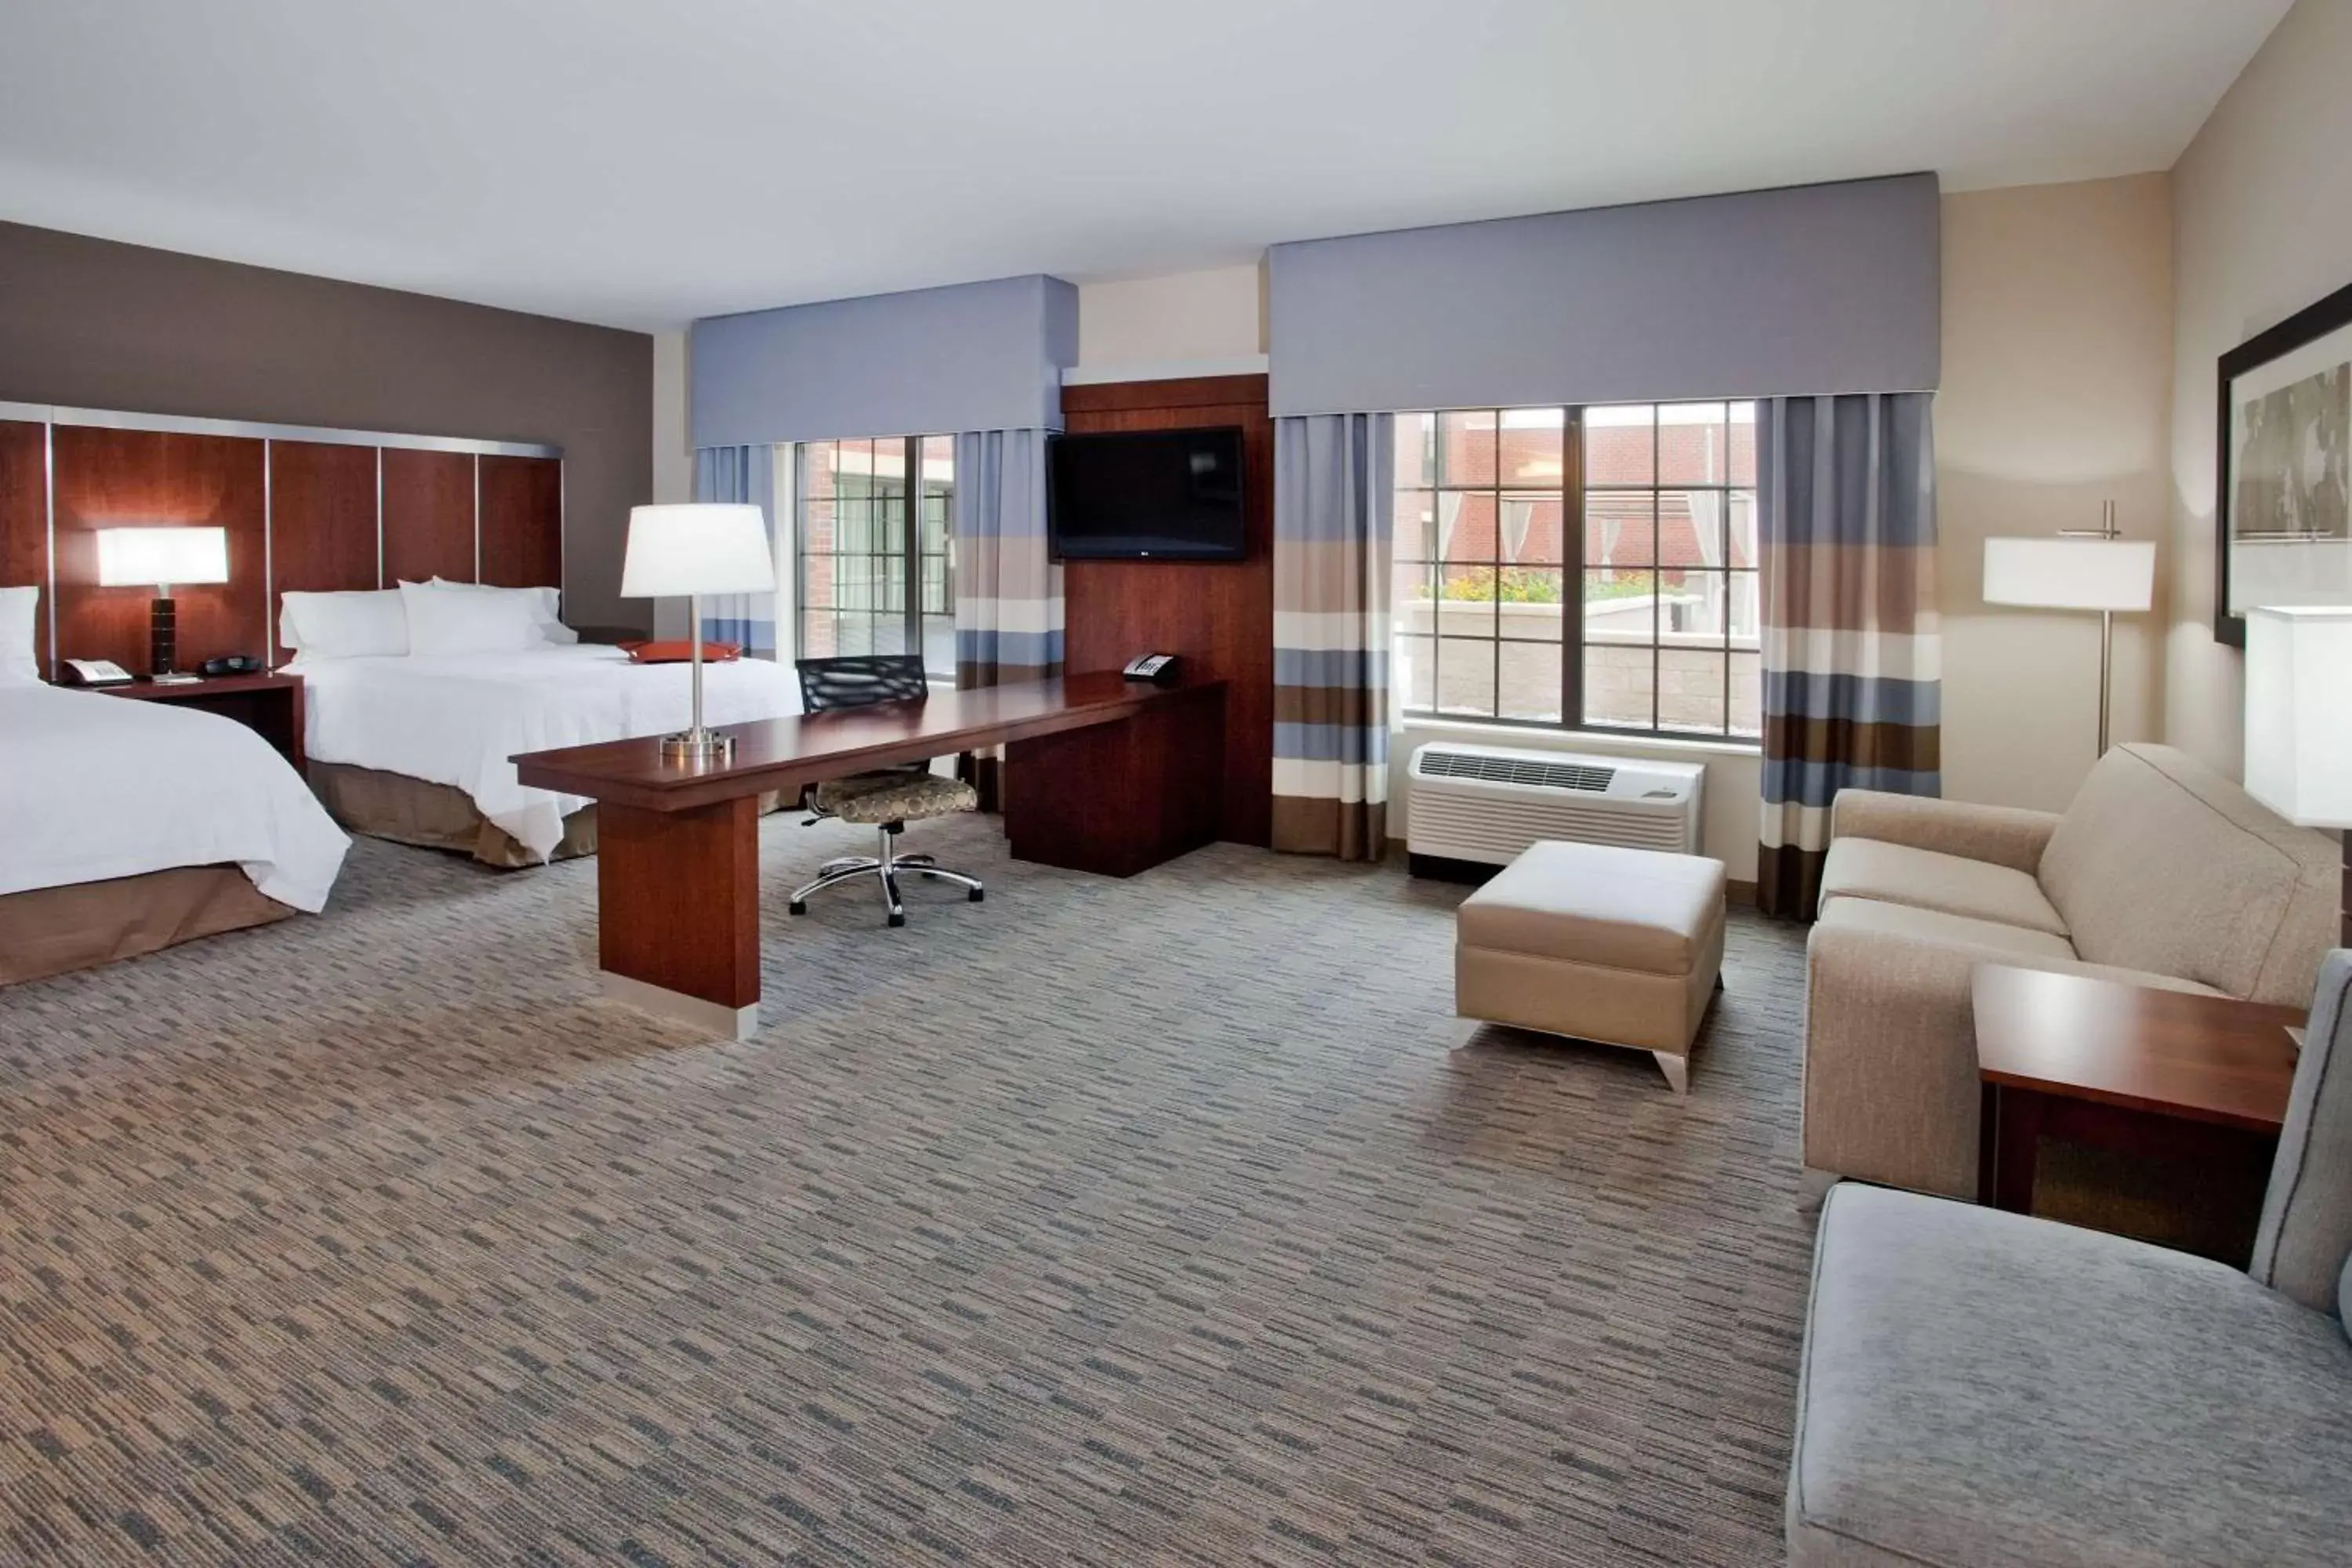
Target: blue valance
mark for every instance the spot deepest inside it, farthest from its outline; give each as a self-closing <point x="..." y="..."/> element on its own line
<point x="1809" y="290"/>
<point x="976" y="356"/>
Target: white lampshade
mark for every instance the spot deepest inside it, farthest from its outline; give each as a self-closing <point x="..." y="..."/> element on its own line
<point x="2299" y="712"/>
<point x="2060" y="574"/>
<point x="702" y="547"/>
<point x="162" y="556"/>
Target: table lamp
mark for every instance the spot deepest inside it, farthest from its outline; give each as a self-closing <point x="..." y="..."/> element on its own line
<point x="163" y="556"/>
<point x="2076" y="569"/>
<point x="695" y="547"/>
<point x="2299" y="717"/>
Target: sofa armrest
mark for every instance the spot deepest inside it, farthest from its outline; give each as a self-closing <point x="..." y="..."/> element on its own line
<point x="1890" y="1093"/>
<point x="2005" y="834"/>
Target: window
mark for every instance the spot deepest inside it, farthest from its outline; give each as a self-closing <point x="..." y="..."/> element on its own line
<point x="869" y="582"/>
<point x="1589" y="568"/>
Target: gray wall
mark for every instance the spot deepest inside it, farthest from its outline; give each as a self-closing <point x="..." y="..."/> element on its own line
<point x="93" y="324"/>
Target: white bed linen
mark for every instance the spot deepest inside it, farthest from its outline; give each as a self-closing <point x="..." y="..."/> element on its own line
<point x="94" y="787"/>
<point x="460" y="720"/>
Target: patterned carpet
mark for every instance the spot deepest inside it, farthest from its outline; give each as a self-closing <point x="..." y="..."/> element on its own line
<point x="1103" y="1223"/>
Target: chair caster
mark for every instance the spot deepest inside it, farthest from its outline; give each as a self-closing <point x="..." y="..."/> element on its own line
<point x="897" y="920"/>
<point x="796" y="907"/>
<point x="977" y="896"/>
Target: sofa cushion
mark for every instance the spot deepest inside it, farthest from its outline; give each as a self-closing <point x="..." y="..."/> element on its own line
<point x="1626" y="909"/>
<point x="1983" y="1387"/>
<point x="2162" y="864"/>
<point x="1944" y="929"/>
<point x="1930" y="879"/>
<point x="2305" y="1232"/>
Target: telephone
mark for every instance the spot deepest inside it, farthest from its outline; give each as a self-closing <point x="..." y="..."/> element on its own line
<point x="1158" y="667"/>
<point x="229" y="664"/>
<point x="96" y="672"/>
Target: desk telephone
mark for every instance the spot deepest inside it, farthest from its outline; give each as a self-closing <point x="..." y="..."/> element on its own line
<point x="1156" y="666"/>
<point x="96" y="672"/>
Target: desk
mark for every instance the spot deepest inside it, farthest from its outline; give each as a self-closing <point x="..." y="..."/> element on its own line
<point x="1101" y="774"/>
<point x="2165" y="1073"/>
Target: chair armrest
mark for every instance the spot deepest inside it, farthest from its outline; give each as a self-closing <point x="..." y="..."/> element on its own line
<point x="2004" y="835"/>
<point x="1891" y="1090"/>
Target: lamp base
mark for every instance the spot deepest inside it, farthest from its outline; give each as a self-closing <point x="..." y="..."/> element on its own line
<point x="698" y="746"/>
<point x="175" y="677"/>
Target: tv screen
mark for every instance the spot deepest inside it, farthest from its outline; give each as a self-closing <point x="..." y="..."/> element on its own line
<point x="1148" y="495"/>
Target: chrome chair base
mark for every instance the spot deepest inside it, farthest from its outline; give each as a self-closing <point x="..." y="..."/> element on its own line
<point x="884" y="868"/>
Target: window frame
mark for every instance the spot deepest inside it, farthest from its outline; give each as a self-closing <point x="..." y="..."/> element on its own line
<point x="1572" y="567"/>
<point x="910" y="558"/>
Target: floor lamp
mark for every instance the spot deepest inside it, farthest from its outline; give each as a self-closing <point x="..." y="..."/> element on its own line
<point x="2076" y="569"/>
<point x="2299" y="719"/>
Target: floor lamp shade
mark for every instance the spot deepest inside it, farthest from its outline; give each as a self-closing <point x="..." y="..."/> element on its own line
<point x="2299" y="712"/>
<point x="694" y="548"/>
<point x="2117" y="575"/>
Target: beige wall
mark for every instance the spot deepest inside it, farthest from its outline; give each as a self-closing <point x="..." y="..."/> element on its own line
<point x="2262" y="225"/>
<point x="1216" y="313"/>
<point x="2056" y="392"/>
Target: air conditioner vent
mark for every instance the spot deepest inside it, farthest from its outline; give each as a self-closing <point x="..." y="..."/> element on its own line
<point x="1526" y="772"/>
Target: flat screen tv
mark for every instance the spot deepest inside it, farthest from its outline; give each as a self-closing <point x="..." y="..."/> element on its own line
<point x="1146" y="495"/>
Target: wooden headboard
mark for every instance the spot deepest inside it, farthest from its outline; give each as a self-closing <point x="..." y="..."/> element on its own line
<point x="304" y="508"/>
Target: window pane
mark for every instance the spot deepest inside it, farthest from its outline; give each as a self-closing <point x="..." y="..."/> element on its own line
<point x="1742" y="600"/>
<point x="1415" y="586"/>
<point x="939" y="646"/>
<point x="853" y="634"/>
<point x="1692" y="449"/>
<point x="1469" y="606"/>
<point x="816" y="527"/>
<point x="1528" y="526"/>
<point x="1743" y="443"/>
<point x="1530" y="688"/>
<point x="1416" y="524"/>
<point x="1746" y="694"/>
<point x="818" y="640"/>
<point x="1528" y="603"/>
<point x="1619" y="528"/>
<point x="1691" y="606"/>
<point x="1690" y="528"/>
<point x="1690" y="690"/>
<point x="1529" y="446"/>
<point x="818" y="459"/>
<point x="1617" y="683"/>
<point x="1618" y="445"/>
<point x="1741" y="506"/>
<point x="1465" y="447"/>
<point x="1416" y="451"/>
<point x="1465" y="676"/>
<point x="1417" y="657"/>
<point x="1466" y="528"/>
<point x="935" y="585"/>
<point x="1619" y="606"/>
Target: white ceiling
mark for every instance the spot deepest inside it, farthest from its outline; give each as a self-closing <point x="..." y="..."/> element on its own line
<point x="646" y="162"/>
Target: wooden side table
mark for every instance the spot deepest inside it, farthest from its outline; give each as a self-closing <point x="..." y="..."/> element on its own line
<point x="271" y="705"/>
<point x="2163" y="1073"/>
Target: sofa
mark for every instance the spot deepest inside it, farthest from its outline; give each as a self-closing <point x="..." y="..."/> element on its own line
<point x="2162" y="873"/>
<point x="1980" y="1387"/>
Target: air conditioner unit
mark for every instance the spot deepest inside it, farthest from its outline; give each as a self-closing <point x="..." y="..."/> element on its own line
<point x="1486" y="804"/>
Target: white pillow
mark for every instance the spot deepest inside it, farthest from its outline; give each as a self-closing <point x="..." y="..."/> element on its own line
<point x="17" y="608"/>
<point x="356" y="624"/>
<point x="545" y="604"/>
<point x="448" y="620"/>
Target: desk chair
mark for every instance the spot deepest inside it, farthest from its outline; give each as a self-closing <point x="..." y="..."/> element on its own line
<point x="888" y="798"/>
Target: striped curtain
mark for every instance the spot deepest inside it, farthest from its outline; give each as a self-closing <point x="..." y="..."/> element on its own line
<point x="1846" y="508"/>
<point x="1334" y="513"/>
<point x="1008" y="589"/>
<point x="741" y="474"/>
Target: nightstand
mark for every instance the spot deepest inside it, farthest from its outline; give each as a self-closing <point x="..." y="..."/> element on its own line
<point x="2169" y="1075"/>
<point x="270" y="705"/>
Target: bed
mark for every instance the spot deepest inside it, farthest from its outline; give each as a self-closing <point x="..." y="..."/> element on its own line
<point x="134" y="826"/>
<point x="418" y="747"/>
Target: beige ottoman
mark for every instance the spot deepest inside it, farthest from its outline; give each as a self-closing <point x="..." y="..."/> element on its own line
<point x="1621" y="946"/>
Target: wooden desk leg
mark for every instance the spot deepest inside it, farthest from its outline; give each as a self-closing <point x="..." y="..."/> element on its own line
<point x="677" y="906"/>
<point x="2012" y="1140"/>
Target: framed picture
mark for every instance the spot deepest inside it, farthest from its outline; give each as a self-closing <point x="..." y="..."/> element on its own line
<point x="2283" y="506"/>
